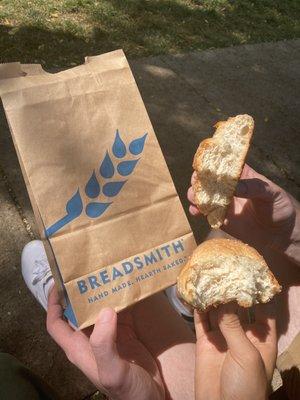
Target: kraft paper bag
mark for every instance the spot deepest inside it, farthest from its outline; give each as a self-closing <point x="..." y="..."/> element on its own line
<point x="113" y="226"/>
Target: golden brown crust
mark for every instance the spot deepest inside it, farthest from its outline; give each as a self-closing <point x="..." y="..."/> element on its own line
<point x="204" y="145"/>
<point x="216" y="214"/>
<point x="229" y="247"/>
<point x="209" y="250"/>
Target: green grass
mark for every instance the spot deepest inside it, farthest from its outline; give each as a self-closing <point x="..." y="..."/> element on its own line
<point x="60" y="33"/>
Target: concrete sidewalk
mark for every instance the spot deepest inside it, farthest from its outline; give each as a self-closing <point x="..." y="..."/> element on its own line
<point x="184" y="95"/>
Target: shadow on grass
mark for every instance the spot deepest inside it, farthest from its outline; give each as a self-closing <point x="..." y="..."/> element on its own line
<point x="141" y="28"/>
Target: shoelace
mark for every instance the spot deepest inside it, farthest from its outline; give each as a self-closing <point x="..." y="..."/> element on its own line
<point x="41" y="269"/>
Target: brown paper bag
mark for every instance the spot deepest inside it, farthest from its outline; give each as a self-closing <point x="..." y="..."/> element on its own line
<point x="100" y="189"/>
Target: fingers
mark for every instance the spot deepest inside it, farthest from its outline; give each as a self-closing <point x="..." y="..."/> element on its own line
<point x="59" y="329"/>
<point x="201" y="320"/>
<point x="265" y="313"/>
<point x="245" y="315"/>
<point x="75" y="344"/>
<point x="111" y="367"/>
<point x="103" y="338"/>
<point x="265" y="317"/>
<point x="194" y="177"/>
<point x="213" y="319"/>
<point x="265" y="332"/>
<point x="192" y="209"/>
<point x="190" y="195"/>
<point x="251" y="186"/>
<point x="249" y="173"/>
<point x="209" y="321"/>
<point x="255" y="189"/>
<point x="232" y="330"/>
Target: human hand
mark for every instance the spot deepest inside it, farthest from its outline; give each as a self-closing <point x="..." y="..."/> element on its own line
<point x="234" y="361"/>
<point x="109" y="354"/>
<point x="260" y="214"/>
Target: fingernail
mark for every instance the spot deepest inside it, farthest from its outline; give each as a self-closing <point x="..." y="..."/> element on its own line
<point x="241" y="188"/>
<point x="106" y="315"/>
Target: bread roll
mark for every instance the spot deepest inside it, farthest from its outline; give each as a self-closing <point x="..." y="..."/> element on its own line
<point x="218" y="163"/>
<point x="224" y="270"/>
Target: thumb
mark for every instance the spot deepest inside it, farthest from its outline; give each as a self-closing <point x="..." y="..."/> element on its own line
<point x="233" y="332"/>
<point x="255" y="189"/>
<point x="111" y="367"/>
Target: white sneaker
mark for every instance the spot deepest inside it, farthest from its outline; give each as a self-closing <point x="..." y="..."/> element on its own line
<point x="176" y="303"/>
<point x="36" y="271"/>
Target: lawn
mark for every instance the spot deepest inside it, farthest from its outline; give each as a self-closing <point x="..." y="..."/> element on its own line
<point x="60" y="33"/>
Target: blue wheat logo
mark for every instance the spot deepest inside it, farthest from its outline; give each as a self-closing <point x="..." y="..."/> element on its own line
<point x="110" y="188"/>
